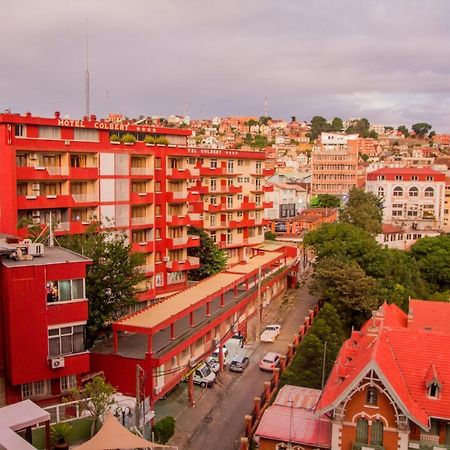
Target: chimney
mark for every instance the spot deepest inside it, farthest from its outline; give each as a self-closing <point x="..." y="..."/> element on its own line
<point x="28" y="114"/>
<point x="57" y="114"/>
<point x="410" y="316"/>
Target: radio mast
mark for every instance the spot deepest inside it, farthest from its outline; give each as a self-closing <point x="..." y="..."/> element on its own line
<point x="86" y="78"/>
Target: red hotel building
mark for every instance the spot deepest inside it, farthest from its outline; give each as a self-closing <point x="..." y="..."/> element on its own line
<point x="43" y="315"/>
<point x="153" y="192"/>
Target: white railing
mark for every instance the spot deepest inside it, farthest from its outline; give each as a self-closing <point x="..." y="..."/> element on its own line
<point x="180" y="240"/>
<point x="66" y="411"/>
<point x="429" y="439"/>
<point x="195" y="216"/>
<point x="179" y="195"/>
<point x="62" y="226"/>
<point x="57" y="170"/>
<point x="140" y="171"/>
<point x="141" y="220"/>
<point x="85" y="197"/>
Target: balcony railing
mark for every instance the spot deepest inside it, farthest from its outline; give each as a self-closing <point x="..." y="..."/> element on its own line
<point x="80" y="198"/>
<point x="141" y="220"/>
<point x="357" y="446"/>
<point x="140" y="171"/>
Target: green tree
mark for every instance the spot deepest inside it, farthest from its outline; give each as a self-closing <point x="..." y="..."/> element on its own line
<point x="421" y="128"/>
<point x="270" y="236"/>
<point x="337" y="124"/>
<point x="432" y="255"/>
<point x="212" y="258"/>
<point x="111" y="279"/>
<point x="94" y="397"/>
<point x="325" y="201"/>
<point x="264" y="120"/>
<point x="164" y="429"/>
<point x="404" y="130"/>
<point x="344" y="283"/>
<point x="361" y="127"/>
<point x="363" y="209"/>
<point x="364" y="157"/>
<point x="318" y="125"/>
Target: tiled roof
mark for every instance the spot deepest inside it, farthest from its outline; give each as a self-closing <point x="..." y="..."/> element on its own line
<point x="401" y="349"/>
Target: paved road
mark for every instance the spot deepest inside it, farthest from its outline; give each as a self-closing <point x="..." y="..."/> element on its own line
<point x="224" y="422"/>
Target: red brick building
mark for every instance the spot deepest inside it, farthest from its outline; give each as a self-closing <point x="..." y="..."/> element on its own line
<point x="389" y="388"/>
<point x="43" y="315"/>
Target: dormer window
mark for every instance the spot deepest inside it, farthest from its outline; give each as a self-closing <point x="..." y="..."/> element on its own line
<point x="371" y="396"/>
<point x="433" y="390"/>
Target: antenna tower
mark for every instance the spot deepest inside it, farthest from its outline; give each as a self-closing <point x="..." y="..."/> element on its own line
<point x="86" y="79"/>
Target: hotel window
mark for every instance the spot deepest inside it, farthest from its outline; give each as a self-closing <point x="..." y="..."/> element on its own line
<point x="380" y="192"/>
<point x="157" y="186"/>
<point x="371" y="396"/>
<point x="213" y="164"/>
<point x="240" y="196"/>
<point x="229" y="201"/>
<point x="213" y="200"/>
<point x="413" y="192"/>
<point x="429" y="192"/>
<point x="414" y="177"/>
<point x="213" y="184"/>
<point x="66" y="340"/>
<point x="376" y="436"/>
<point x="240" y="162"/>
<point x="398" y="191"/>
<point x="258" y="168"/>
<point x="21" y="160"/>
<point x="229" y="237"/>
<point x="213" y="236"/>
<point x="49" y="132"/>
<point x="429" y="178"/>
<point x="36" y="389"/>
<point x="157" y="163"/>
<point x="157" y="210"/>
<point x="68" y="382"/>
<point x="433" y="390"/>
<point x="22" y="188"/>
<point x="212" y="220"/>
<point x="86" y="134"/>
<point x="229" y="182"/>
<point x="20" y="130"/>
<point x="65" y="290"/>
<point x="230" y="166"/>
<point x="398" y="177"/>
<point x="362" y="431"/>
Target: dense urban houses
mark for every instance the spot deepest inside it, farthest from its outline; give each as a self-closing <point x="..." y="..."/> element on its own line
<point x="412" y="197"/>
<point x="43" y="315"/>
<point x="142" y="179"/>
<point x="389" y="387"/>
<point x="334" y="164"/>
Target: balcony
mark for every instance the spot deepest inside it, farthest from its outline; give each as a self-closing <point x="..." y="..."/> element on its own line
<point x="141" y="197"/>
<point x="267" y="205"/>
<point x="178" y="221"/>
<point x="182" y="174"/>
<point x="428" y="442"/>
<point x="82" y="173"/>
<point x="248" y="205"/>
<point x="182" y="197"/>
<point x="40" y="172"/>
<point x="268" y="172"/>
<point x="190" y="263"/>
<point x="211" y="172"/>
<point x="141" y="171"/>
<point x="85" y="198"/>
<point x="44" y="201"/>
<point x="357" y="446"/>
<point x="216" y="208"/>
<point x="141" y="221"/>
<point x="199" y="189"/>
<point x="268" y="188"/>
<point x="183" y="242"/>
<point x="196" y="220"/>
<point x="242" y="223"/>
<point x="142" y="247"/>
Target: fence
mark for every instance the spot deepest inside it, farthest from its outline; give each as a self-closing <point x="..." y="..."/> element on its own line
<point x="271" y="387"/>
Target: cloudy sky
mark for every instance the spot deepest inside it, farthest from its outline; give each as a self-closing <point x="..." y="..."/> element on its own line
<point x="387" y="60"/>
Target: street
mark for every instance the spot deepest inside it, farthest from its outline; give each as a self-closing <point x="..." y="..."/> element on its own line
<point x="222" y="408"/>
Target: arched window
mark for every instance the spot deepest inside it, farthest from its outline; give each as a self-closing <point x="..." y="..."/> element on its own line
<point x="372" y="396"/>
<point x="380" y="192"/>
<point x="362" y="431"/>
<point x="376" y="437"/>
<point x="433" y="390"/>
<point x="398" y="191"/>
<point x="413" y="192"/>
<point x="429" y="192"/>
<point x="281" y="446"/>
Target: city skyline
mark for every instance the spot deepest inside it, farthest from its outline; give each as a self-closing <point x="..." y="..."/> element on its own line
<point x="383" y="61"/>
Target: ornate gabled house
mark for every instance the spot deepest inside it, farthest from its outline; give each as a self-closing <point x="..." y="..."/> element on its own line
<point x="390" y="385"/>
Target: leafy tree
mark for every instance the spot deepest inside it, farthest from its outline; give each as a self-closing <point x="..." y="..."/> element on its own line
<point x="264" y="120"/>
<point x="212" y="258"/>
<point x="361" y="127"/>
<point x="325" y="201"/>
<point x="344" y="283"/>
<point x="111" y="279"/>
<point x="432" y="255"/>
<point x="404" y="130"/>
<point x="363" y="209"/>
<point x="337" y="124"/>
<point x="421" y="129"/>
<point x="365" y="157"/>
<point x="318" y="125"/>
<point x="164" y="429"/>
<point x="431" y="134"/>
<point x="386" y="129"/>
<point x="94" y="397"/>
<point x="270" y="236"/>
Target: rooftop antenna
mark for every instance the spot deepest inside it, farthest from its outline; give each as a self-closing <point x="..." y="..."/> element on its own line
<point x="86" y="79"/>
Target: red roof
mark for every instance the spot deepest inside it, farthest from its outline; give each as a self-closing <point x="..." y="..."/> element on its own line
<point x="292" y="419"/>
<point x="391" y="172"/>
<point x="401" y="349"/>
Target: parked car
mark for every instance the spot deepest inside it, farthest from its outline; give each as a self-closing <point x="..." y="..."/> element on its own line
<point x="215" y="354"/>
<point x="270" y="361"/>
<point x="213" y="364"/>
<point x="270" y="333"/>
<point x="239" y="363"/>
<point x="280" y="227"/>
<point x="203" y="376"/>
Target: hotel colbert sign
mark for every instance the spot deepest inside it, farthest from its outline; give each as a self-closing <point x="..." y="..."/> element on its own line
<point x="105" y="125"/>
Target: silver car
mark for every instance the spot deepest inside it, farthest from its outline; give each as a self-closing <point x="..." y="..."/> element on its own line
<point x="239" y="363"/>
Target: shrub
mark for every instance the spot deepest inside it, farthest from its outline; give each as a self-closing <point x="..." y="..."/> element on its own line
<point x="129" y="138"/>
<point x="164" y="429"/>
<point x="149" y="139"/>
<point x="161" y="140"/>
<point x="60" y="432"/>
<point x="114" y="138"/>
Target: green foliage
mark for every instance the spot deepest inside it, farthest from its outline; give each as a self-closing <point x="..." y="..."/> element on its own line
<point x="61" y="432"/>
<point x="337" y="124"/>
<point x="95" y="397"/>
<point x="325" y="201"/>
<point x="361" y="127"/>
<point x="129" y="138"/>
<point x="115" y="138"/>
<point x="363" y="209"/>
<point x="111" y="279"/>
<point x="404" y="130"/>
<point x="164" y="429"/>
<point x="257" y="141"/>
<point x="307" y="366"/>
<point x="149" y="139"/>
<point x="432" y="255"/>
<point x="421" y="129"/>
<point x="364" y="157"/>
<point x="212" y="258"/>
<point x="318" y="125"/>
<point x="270" y="236"/>
<point x="264" y="120"/>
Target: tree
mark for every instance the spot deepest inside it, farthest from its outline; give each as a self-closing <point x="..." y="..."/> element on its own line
<point x="364" y="210"/>
<point x="361" y="127"/>
<point x="365" y="157"/>
<point x="337" y="124"/>
<point x="421" y="128"/>
<point x="318" y="125"/>
<point x="325" y="201"/>
<point x="264" y="120"/>
<point x="404" y="130"/>
<point x="270" y="236"/>
<point x="111" y="279"/>
<point x="164" y="429"/>
<point x="344" y="283"/>
<point x="94" y="397"/>
<point x="212" y="258"/>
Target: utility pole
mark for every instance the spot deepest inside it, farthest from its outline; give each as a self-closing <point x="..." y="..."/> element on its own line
<point x="137" y="411"/>
<point x="258" y="307"/>
<point x="86" y="78"/>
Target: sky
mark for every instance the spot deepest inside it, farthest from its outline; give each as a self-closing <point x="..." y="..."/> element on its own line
<point x="388" y="61"/>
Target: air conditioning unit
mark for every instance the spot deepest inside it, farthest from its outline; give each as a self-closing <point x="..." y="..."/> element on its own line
<point x="157" y="390"/>
<point x="35" y="186"/>
<point x="36" y="249"/>
<point x="56" y="363"/>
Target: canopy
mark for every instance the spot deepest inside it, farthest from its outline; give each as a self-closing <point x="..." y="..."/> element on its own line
<point x="22" y="415"/>
<point x="114" y="436"/>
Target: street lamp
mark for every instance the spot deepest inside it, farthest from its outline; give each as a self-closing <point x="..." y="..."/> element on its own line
<point x="122" y="410"/>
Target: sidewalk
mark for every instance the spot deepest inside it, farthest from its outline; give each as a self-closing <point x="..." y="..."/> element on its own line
<point x="189" y="419"/>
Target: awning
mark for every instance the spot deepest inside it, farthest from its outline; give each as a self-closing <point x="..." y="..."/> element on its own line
<point x="10" y="440"/>
<point x="22" y="415"/>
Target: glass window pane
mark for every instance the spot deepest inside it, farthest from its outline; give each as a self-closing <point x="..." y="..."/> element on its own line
<point x="377" y="432"/>
<point x="64" y="290"/>
<point x="362" y="428"/>
<point x="53" y="346"/>
<point x="77" y="289"/>
<point x="66" y="344"/>
<point x="78" y="341"/>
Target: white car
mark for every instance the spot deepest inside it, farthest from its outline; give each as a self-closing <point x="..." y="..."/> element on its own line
<point x="270" y="333"/>
<point x="213" y="364"/>
<point x="215" y="354"/>
<point x="270" y="361"/>
<point x="203" y="376"/>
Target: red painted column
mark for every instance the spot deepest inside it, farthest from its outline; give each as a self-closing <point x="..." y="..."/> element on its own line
<point x="222" y="298"/>
<point x="221" y="359"/>
<point x="191" y="399"/>
<point x="115" y="341"/>
<point x="191" y="318"/>
<point x="208" y="309"/>
<point x="248" y="425"/>
<point x="267" y="390"/>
